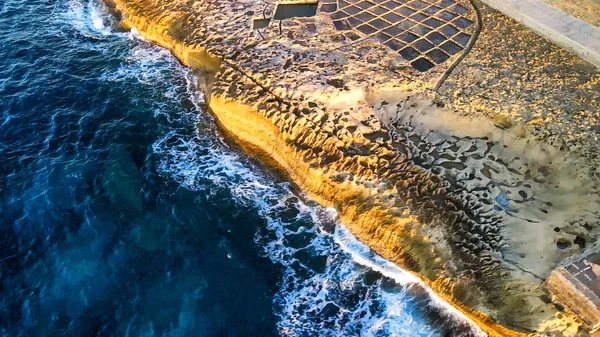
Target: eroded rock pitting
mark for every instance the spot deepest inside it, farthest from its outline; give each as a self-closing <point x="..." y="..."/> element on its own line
<point x="508" y="180"/>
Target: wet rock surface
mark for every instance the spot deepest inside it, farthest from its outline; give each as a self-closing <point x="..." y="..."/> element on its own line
<point x="453" y="185"/>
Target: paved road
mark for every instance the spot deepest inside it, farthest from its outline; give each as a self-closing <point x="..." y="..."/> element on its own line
<point x="582" y="271"/>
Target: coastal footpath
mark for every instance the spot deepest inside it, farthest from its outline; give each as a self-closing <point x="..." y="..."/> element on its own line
<point x="450" y="139"/>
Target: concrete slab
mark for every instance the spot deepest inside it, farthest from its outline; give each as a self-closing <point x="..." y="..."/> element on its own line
<point x="583" y="271"/>
<point x="573" y="34"/>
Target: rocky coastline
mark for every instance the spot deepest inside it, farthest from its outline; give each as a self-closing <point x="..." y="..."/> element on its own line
<point x="357" y="129"/>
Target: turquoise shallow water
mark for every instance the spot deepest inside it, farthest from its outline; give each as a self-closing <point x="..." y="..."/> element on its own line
<point x="123" y="213"/>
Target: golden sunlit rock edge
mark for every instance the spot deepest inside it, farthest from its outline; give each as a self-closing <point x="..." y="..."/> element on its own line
<point x="401" y="211"/>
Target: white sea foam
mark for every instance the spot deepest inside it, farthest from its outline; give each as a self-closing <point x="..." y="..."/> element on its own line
<point x="327" y="287"/>
<point x="96" y="15"/>
<point x="91" y="19"/>
<point x="330" y="284"/>
<point x="365" y="256"/>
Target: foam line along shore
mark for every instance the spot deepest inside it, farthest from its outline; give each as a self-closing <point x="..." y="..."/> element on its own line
<point x="124" y="212"/>
<point x="342" y="139"/>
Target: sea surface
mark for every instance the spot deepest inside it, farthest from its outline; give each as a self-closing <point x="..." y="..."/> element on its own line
<point x="124" y="213"/>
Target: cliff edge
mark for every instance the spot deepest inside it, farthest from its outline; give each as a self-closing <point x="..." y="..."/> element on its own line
<point x="451" y="140"/>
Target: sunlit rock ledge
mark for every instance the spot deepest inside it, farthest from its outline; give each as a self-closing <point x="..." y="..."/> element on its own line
<point x="434" y="163"/>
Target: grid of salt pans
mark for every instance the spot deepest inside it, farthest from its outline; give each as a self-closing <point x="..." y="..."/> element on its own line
<point x="424" y="32"/>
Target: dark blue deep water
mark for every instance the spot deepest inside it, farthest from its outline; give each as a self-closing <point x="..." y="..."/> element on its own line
<point x="122" y="212"/>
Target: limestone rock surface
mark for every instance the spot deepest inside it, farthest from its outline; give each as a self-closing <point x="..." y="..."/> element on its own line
<point x="436" y="181"/>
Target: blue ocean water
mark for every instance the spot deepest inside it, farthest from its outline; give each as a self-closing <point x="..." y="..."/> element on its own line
<point x="123" y="213"/>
